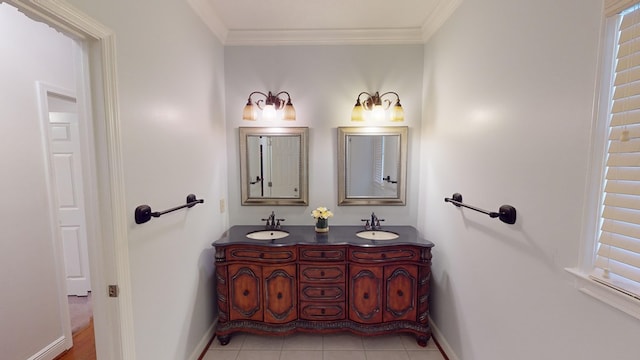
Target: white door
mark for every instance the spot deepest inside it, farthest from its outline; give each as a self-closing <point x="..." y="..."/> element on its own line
<point x="285" y="166"/>
<point x="64" y="145"/>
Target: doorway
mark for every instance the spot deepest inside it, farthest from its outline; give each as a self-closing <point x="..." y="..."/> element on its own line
<point x="63" y="140"/>
<point x="106" y="217"/>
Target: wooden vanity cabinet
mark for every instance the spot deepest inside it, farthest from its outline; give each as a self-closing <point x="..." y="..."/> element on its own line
<point x="323" y="288"/>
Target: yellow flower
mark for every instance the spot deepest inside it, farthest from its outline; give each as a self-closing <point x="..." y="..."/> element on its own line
<point x="322" y="213"/>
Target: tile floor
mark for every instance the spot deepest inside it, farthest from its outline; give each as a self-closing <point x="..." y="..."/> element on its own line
<point x="342" y="346"/>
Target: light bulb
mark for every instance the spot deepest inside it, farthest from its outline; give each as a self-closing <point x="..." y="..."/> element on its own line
<point x="378" y="113"/>
<point x="269" y="112"/>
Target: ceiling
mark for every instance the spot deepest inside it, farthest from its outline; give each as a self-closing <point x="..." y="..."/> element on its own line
<point x="316" y="22"/>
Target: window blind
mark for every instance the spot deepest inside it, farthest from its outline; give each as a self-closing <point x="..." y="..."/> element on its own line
<point x="614" y="7"/>
<point x="617" y="262"/>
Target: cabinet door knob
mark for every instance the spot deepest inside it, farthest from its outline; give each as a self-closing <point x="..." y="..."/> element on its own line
<point x="279" y="295"/>
<point x="366" y="295"/>
<point x="400" y="293"/>
<point x="245" y="293"/>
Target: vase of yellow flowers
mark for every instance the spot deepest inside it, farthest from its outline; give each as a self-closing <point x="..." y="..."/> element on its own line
<point x="322" y="215"/>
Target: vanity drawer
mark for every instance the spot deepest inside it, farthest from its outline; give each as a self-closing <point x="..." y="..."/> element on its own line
<point x="322" y="273"/>
<point x="262" y="254"/>
<point x="325" y="253"/>
<point x="312" y="292"/>
<point x="384" y="254"/>
<point x="319" y="311"/>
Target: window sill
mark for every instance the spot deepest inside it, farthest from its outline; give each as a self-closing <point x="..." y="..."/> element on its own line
<point x="610" y="296"/>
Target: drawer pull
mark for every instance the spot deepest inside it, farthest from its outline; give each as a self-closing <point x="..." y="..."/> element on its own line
<point x="322" y="292"/>
<point x="279" y="295"/>
<point x="321" y="273"/>
<point x="261" y="255"/>
<point x="384" y="256"/>
<point x="400" y="293"/>
<point x="245" y="293"/>
<point x="322" y="254"/>
<point x="322" y="311"/>
<point x="366" y="295"/>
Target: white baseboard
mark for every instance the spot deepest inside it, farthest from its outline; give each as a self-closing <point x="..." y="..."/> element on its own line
<point x="442" y="341"/>
<point x="50" y="351"/>
<point x="202" y="344"/>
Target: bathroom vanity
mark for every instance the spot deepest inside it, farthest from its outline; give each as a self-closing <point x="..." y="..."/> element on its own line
<point x="322" y="282"/>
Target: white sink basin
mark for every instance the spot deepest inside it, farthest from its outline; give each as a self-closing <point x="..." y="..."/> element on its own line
<point x="377" y="235"/>
<point x="267" y="234"/>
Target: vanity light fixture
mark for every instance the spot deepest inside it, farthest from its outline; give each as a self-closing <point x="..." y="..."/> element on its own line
<point x="377" y="105"/>
<point x="269" y="106"/>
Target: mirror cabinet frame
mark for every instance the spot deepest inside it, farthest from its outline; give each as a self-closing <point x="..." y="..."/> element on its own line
<point x="303" y="134"/>
<point x="343" y="134"/>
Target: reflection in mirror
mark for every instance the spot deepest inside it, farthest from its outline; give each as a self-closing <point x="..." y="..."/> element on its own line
<point x="273" y="166"/>
<point x="372" y="165"/>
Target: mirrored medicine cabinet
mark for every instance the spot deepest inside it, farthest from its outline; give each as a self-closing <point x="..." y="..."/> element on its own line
<point x="274" y="165"/>
<point x="372" y="165"/>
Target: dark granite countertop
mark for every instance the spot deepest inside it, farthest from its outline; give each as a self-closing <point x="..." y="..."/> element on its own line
<point x="337" y="235"/>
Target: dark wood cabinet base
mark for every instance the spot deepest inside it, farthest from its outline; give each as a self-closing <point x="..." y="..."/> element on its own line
<point x="225" y="331"/>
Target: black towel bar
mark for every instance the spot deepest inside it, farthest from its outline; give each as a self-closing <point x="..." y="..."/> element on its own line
<point x="143" y="212"/>
<point x="506" y="213"/>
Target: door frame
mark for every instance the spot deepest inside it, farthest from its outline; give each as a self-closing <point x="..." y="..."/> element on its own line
<point x="108" y="249"/>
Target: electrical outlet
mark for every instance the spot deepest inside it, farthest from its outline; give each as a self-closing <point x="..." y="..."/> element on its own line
<point x="222" y="206"/>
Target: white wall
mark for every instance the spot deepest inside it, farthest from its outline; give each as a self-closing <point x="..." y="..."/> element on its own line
<point x="509" y="91"/>
<point x="29" y="306"/>
<point x="323" y="82"/>
<point x="171" y="98"/>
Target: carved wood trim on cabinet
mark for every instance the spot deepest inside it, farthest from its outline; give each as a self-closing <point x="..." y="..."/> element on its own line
<point x="246" y="302"/>
<point x="280" y="293"/>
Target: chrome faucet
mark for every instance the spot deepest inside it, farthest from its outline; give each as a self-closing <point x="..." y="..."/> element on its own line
<point x="374" y="224"/>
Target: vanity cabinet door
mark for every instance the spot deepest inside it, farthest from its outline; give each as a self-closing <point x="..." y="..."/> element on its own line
<point x="245" y="292"/>
<point x="280" y="293"/>
<point x="400" y="292"/>
<point x="365" y="292"/>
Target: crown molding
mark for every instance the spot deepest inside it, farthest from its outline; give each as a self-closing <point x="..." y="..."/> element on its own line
<point x="323" y="36"/>
<point x="207" y="13"/>
<point x="442" y="13"/>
